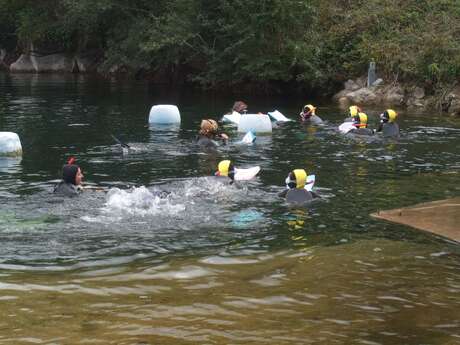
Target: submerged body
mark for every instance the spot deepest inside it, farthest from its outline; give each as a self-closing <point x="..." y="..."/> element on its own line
<point x="67" y="189"/>
<point x="313" y="119"/>
<point x="297" y="191"/>
<point x="389" y="130"/>
<point x="206" y="142"/>
<point x="362" y="131"/>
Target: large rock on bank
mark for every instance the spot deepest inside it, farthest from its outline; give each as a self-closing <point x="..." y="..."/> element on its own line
<point x="364" y="96"/>
<point x="356" y="92"/>
<point x="451" y="102"/>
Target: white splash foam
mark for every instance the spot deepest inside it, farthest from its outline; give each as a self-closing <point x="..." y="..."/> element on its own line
<point x="139" y="202"/>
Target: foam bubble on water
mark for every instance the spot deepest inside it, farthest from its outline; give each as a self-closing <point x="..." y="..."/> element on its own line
<point x="219" y="260"/>
<point x="139" y="202"/>
<point x="187" y="272"/>
<point x="208" y="186"/>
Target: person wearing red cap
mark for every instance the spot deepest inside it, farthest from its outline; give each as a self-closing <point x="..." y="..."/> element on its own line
<point x="72" y="177"/>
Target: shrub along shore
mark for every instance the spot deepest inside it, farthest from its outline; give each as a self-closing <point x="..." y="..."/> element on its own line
<point x="266" y="46"/>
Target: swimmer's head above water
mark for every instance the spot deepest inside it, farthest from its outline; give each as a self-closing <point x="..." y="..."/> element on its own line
<point x="360" y="120"/>
<point x="388" y="115"/>
<point x="71" y="173"/>
<point x="354" y="110"/>
<point x="226" y="168"/>
<point x="307" y="111"/>
<point x="297" y="178"/>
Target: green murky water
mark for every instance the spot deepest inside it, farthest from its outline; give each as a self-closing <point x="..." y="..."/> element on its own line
<point x="212" y="263"/>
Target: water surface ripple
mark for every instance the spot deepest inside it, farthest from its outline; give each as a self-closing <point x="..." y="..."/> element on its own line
<point x="214" y="263"/>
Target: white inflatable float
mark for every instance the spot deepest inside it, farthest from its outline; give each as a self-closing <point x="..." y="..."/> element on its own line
<point x="10" y="144"/>
<point x="233" y="118"/>
<point x="278" y="116"/>
<point x="164" y="114"/>
<point x="346" y="127"/>
<point x="256" y="123"/>
<point x="249" y="138"/>
<point x="246" y="174"/>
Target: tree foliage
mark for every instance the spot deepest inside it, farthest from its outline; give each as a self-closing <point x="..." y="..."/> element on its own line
<point x="218" y="43"/>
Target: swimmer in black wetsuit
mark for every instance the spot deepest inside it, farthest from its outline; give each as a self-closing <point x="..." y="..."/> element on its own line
<point x="388" y="126"/>
<point x="295" y="192"/>
<point x="308" y="114"/>
<point x="72" y="177"/>
<point x="353" y="111"/>
<point x="209" y="135"/>
<point x="360" y="123"/>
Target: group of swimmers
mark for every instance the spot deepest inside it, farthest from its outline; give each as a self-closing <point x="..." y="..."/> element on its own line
<point x="387" y="126"/>
<point x="296" y="182"/>
<point x="358" y="119"/>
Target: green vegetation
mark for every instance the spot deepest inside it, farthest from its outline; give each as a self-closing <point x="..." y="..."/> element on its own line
<point x="221" y="43"/>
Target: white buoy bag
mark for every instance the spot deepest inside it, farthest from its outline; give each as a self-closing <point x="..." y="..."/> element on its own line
<point x="164" y="114"/>
<point x="233" y="118"/>
<point x="10" y="145"/>
<point x="277" y="116"/>
<point x="256" y="123"/>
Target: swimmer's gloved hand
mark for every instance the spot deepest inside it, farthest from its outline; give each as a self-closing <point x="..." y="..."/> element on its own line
<point x="223" y="137"/>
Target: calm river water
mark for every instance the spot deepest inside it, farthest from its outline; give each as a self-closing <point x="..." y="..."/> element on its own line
<point x="212" y="263"/>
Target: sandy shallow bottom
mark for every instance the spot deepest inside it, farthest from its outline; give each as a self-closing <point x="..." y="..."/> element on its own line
<point x="354" y="293"/>
<point x="438" y="217"/>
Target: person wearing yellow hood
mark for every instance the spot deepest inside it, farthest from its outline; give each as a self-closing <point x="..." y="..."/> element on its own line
<point x="388" y="126"/>
<point x="353" y="111"/>
<point x="226" y="169"/>
<point x="360" y="124"/>
<point x="209" y="134"/>
<point x="308" y="114"/>
<point x="295" y="192"/>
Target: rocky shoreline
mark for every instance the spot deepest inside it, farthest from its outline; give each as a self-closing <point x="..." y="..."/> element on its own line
<point x="397" y="95"/>
<point x="380" y="92"/>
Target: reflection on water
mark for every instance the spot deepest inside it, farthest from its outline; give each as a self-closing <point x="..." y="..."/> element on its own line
<point x="170" y="254"/>
<point x="352" y="293"/>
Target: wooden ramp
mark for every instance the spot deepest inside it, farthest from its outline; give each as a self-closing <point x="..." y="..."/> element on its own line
<point x="438" y="217"/>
